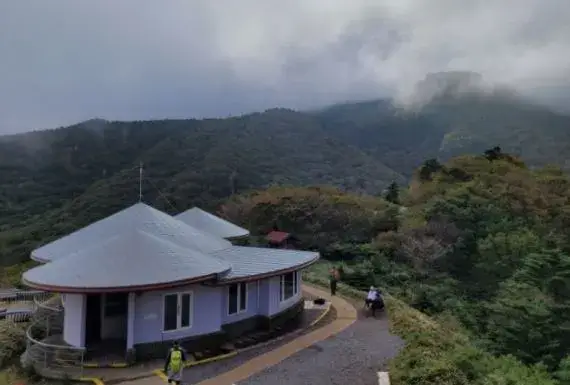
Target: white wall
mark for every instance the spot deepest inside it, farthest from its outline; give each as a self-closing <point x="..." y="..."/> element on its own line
<point x="74" y="319"/>
<point x="275" y="304"/>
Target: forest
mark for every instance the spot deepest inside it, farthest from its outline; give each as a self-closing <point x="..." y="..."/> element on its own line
<point x="480" y="244"/>
<point x="54" y="181"/>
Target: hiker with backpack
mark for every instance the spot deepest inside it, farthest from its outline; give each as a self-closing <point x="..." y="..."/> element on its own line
<point x="174" y="364"/>
<point x="377" y="302"/>
<point x="334" y="277"/>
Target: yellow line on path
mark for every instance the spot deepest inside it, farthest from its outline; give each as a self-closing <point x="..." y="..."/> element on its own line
<point x="160" y="374"/>
<point x="96" y="381"/>
<point x="211" y="359"/>
<point x="346" y="316"/>
<point x="320" y="317"/>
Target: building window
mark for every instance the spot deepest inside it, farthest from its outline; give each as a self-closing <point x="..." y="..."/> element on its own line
<point x="289" y="285"/>
<point x="177" y="311"/>
<point x="116" y="304"/>
<point x="237" y="298"/>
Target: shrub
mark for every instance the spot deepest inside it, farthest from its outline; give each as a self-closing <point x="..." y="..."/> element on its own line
<point x="9" y="376"/>
<point x="12" y="341"/>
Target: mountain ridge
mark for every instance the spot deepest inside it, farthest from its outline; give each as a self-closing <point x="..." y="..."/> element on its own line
<point x="53" y="181"/>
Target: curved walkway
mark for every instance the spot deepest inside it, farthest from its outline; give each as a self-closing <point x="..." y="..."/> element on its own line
<point x="346" y="316"/>
<point x="352" y="349"/>
<point x="352" y="357"/>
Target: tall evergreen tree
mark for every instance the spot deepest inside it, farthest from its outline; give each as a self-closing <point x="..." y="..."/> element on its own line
<point x="393" y="193"/>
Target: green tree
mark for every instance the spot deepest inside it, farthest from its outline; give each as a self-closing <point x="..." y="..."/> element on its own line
<point x="563" y="371"/>
<point x="428" y="168"/>
<point x="393" y="193"/>
<point x="521" y="322"/>
<point x="493" y="153"/>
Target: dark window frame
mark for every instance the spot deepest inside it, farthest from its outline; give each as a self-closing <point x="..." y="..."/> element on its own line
<point x="237" y="298"/>
<point x="288" y="285"/>
<point x="174" y="316"/>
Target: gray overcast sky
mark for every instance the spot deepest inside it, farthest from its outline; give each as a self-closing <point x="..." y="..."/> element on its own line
<point x="63" y="61"/>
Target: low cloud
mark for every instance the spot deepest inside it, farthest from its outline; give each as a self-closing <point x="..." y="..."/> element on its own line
<point x="62" y="61"/>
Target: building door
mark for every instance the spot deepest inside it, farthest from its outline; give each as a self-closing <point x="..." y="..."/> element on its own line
<point x="115" y="316"/>
<point x="93" y="319"/>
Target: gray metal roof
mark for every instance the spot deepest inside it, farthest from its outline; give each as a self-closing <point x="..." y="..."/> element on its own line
<point x="129" y="259"/>
<point x="141" y="246"/>
<point x="139" y="216"/>
<point x="212" y="224"/>
<point x="248" y="261"/>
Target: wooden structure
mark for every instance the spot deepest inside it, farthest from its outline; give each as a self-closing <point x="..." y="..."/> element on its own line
<point x="282" y="240"/>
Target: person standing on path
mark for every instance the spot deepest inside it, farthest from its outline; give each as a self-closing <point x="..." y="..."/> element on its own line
<point x="334" y="278"/>
<point x="174" y="364"/>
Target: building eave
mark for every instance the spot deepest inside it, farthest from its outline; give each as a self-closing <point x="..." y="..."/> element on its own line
<point x="274" y="273"/>
<point x="118" y="289"/>
<point x="238" y="236"/>
<point x="38" y="259"/>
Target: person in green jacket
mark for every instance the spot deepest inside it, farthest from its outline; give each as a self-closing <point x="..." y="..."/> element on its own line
<point x="174" y="365"/>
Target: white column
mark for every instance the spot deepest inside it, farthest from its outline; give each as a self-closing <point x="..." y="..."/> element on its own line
<point x="131" y="321"/>
<point x="74" y="319"/>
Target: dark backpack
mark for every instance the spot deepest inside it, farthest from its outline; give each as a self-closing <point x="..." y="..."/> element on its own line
<point x="319" y="301"/>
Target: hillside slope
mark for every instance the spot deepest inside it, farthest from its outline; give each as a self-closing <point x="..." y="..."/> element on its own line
<point x="53" y="181"/>
<point x="452" y="125"/>
<point x="89" y="173"/>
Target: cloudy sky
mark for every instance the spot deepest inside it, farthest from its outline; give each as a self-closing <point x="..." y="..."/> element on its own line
<point x="63" y="61"/>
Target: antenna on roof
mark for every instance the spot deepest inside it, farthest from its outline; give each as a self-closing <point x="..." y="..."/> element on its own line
<point x="140" y="181"/>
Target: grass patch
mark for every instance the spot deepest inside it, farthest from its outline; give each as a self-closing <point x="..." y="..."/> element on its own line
<point x="14" y="375"/>
<point x="11" y="276"/>
<point x="10" y="376"/>
<point x="12" y="345"/>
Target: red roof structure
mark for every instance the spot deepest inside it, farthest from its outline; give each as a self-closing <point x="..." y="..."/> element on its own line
<point x="277" y="236"/>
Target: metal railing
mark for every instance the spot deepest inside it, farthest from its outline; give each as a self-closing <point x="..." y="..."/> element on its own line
<point x="20" y="305"/>
<point x="15" y="315"/>
<point x="46" y="351"/>
<point x="18" y="296"/>
<point x="16" y="301"/>
<point x="48" y="304"/>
